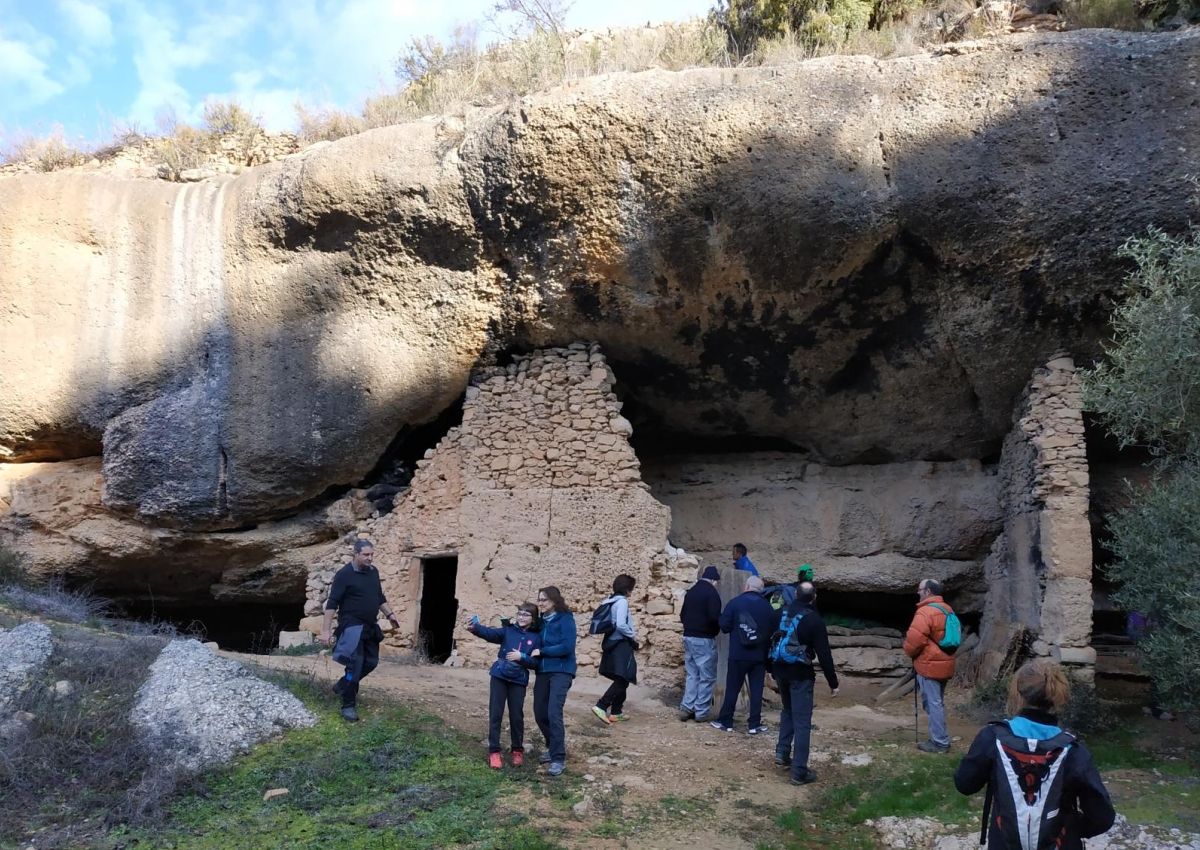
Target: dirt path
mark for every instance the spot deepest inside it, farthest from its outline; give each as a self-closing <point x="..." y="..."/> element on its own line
<point x="652" y="781"/>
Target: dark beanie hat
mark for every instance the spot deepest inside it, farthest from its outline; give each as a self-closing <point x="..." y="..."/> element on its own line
<point x="711" y="572"/>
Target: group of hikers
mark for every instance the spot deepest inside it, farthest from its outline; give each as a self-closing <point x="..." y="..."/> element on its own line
<point x="1043" y="789"/>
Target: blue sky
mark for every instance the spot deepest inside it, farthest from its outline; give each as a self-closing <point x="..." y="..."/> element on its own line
<point x="85" y="64"/>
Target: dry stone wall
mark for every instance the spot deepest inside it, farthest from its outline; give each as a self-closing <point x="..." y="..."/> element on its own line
<point x="1039" y="572"/>
<point x="538" y="486"/>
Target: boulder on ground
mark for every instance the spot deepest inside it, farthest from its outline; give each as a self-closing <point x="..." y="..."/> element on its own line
<point x="24" y="651"/>
<point x="199" y="709"/>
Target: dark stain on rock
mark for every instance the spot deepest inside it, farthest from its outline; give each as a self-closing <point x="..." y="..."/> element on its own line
<point x="587" y="300"/>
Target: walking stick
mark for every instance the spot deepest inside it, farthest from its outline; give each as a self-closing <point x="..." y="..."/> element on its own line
<point x="916" y="716"/>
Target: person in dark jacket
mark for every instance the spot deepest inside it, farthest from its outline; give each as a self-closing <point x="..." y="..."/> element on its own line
<point x="701" y="618"/>
<point x="747" y="619"/>
<point x="617" y="659"/>
<point x="510" y="678"/>
<point x="1039" y="690"/>
<point x="555" y="673"/>
<point x="797" y="680"/>
<point x="356" y="596"/>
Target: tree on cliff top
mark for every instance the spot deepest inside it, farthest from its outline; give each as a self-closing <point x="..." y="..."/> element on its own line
<point x="1148" y="394"/>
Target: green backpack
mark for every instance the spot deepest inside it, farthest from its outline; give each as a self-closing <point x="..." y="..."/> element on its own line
<point x="953" y="637"/>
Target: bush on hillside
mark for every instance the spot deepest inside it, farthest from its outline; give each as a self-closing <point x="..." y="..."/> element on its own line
<point x="47" y="153"/>
<point x="230" y="118"/>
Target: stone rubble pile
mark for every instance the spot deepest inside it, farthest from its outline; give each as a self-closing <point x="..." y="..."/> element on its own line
<point x="900" y="833"/>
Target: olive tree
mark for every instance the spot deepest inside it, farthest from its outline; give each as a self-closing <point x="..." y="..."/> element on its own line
<point x="1147" y="393"/>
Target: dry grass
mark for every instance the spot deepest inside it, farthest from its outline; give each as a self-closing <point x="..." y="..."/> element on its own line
<point x="1103" y="14"/>
<point x="51" y="152"/>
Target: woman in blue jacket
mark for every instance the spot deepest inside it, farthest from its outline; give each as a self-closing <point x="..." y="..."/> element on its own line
<point x="519" y="641"/>
<point x="555" y="673"/>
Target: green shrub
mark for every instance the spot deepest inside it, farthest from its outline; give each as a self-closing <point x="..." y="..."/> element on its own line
<point x="1148" y="393"/>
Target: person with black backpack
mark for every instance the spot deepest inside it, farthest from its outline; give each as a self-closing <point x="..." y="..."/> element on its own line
<point x="617" y="659"/>
<point x="799" y="638"/>
<point x="747" y="619"/>
<point x="1043" y="789"/>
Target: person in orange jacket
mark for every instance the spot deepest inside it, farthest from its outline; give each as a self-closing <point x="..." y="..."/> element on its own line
<point x="933" y="665"/>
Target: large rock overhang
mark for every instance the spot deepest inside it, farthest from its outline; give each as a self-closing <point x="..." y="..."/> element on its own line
<point x="863" y="259"/>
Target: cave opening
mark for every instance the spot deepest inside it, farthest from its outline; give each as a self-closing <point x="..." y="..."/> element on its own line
<point x="439" y="607"/>
<point x="237" y="627"/>
<point x="393" y="471"/>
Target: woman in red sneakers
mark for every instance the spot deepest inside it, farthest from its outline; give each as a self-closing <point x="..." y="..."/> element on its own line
<point x="510" y="678"/>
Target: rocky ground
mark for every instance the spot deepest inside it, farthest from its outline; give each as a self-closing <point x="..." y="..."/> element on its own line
<point x="704" y="788"/>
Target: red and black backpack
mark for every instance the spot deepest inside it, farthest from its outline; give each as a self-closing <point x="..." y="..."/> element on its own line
<point x="1023" y="805"/>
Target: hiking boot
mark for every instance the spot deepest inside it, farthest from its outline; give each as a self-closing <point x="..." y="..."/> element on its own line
<point x="349" y="714"/>
<point x="601" y="715"/>
<point x="556" y="768"/>
<point x="495" y="762"/>
<point x="931" y="747"/>
<point x="806" y="778"/>
<point x="518" y="758"/>
<point x="782" y="760"/>
<point x="756" y="730"/>
<point x="717" y="724"/>
<point x="544" y="758"/>
<point x="339" y="686"/>
<point x="685" y="715"/>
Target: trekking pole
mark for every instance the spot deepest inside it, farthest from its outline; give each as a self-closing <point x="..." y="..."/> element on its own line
<point x="916" y="716"/>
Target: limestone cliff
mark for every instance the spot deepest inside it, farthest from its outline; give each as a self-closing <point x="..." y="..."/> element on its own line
<point x="862" y="259"/>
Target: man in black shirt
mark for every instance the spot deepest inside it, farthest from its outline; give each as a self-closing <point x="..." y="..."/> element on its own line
<point x="357" y="597"/>
<point x="795" y="646"/>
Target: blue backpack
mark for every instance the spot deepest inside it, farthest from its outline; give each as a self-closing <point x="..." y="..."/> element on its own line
<point x="953" y="637"/>
<point x="786" y="647"/>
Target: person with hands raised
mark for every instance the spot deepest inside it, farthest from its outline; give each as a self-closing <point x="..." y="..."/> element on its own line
<point x="520" y="644"/>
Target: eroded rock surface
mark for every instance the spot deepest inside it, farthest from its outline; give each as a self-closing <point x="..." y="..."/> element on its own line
<point x="865" y="259"/>
<point x="24" y="651"/>
<point x="198" y="709"/>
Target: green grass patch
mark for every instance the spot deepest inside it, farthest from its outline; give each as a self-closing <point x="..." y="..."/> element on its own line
<point x="898" y="783"/>
<point x="398" y="780"/>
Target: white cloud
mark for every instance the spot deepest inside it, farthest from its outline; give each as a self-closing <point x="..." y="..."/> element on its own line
<point x="90" y="23"/>
<point x="24" y="76"/>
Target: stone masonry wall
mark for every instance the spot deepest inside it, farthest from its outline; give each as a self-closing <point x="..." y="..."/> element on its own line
<point x="1040" y="569"/>
<point x="538" y="486"/>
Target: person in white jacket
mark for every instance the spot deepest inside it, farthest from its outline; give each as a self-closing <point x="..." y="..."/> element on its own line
<point x="617" y="659"/>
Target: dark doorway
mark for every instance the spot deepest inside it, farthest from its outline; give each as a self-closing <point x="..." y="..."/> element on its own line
<point x="439" y="607"/>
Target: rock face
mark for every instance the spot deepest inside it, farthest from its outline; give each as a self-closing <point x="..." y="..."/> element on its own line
<point x="865" y="259"/>
<point x="199" y="710"/>
<point x="24" y="651"/>
<point x="866" y="528"/>
<point x="860" y="262"/>
<point x="53" y="517"/>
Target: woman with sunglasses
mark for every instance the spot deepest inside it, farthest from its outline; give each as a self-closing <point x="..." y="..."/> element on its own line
<point x="555" y="673"/>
